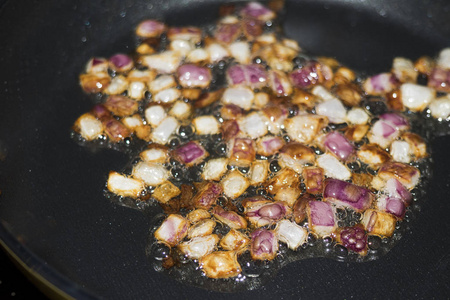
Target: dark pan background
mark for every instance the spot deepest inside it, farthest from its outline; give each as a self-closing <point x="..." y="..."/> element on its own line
<point x="53" y="213"/>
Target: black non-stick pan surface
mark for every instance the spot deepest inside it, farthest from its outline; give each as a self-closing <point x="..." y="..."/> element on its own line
<point x="53" y="214"/>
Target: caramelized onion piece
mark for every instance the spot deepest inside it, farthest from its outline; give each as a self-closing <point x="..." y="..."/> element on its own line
<point x="220" y="264"/>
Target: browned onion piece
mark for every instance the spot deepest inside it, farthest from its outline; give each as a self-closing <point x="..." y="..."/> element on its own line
<point x="242" y="152"/>
<point x="121" y="106"/>
<point x="313" y="179"/>
<point x="207" y="195"/>
<point x="299" y="208"/>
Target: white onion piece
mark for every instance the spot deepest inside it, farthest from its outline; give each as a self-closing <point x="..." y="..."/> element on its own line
<point x="254" y="125"/>
<point x="259" y="171"/>
<point x="203" y="228"/>
<point x="333" y="109"/>
<point x="416" y="97"/>
<point x="182" y="47"/>
<point x="291" y="234"/>
<point x="165" y="129"/>
<point x="261" y="100"/>
<point x="162" y="83"/>
<point x="206" y="125"/>
<point x="151" y="173"/>
<point x="155" y="155"/>
<point x="333" y="167"/>
<point x="141" y="75"/>
<point x="216" y="52"/>
<point x="304" y="128"/>
<point x="164" y="62"/>
<point x="214" y="169"/>
<point x="240" y="51"/>
<point x="234" y="184"/>
<point x="155" y="114"/>
<point x="240" y="96"/>
<point x="124" y="186"/>
<point x="197" y="55"/>
<point x="181" y="110"/>
<point x="168" y="96"/>
<point x="89" y="127"/>
<point x="404" y="70"/>
<point x="136" y="90"/>
<point x="440" y="108"/>
<point x="443" y="60"/>
<point x="132" y="122"/>
<point x="357" y="115"/>
<point x="97" y="65"/>
<point x="198" y="215"/>
<point x="400" y="151"/>
<point x="200" y="246"/>
<point x="118" y="85"/>
<point x="322" y="93"/>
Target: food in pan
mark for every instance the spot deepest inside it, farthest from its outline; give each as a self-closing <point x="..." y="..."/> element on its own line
<point x="256" y="151"/>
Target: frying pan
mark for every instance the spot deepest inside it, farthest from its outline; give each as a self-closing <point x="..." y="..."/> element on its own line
<point x="54" y="217"/>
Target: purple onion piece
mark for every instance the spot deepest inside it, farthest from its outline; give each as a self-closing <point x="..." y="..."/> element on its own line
<point x="97" y="61"/>
<point x="264" y="244"/>
<point x="395" y="189"/>
<point x="236" y="75"/>
<point x="347" y="194"/>
<point x="207" y="196"/>
<point x="121" y="62"/>
<point x="190" y="153"/>
<point x="227" y="33"/>
<point x="395" y="119"/>
<point x="253" y="75"/>
<point x="230" y="129"/>
<point x="384" y="129"/>
<point x="115" y="130"/>
<point x="252" y="28"/>
<point x="321" y="214"/>
<point x="439" y="79"/>
<point x="150" y="28"/>
<point x="232" y="219"/>
<point x="381" y="83"/>
<point x="101" y="112"/>
<point x="256" y="75"/>
<point x="305" y="76"/>
<point x="190" y="75"/>
<point x="395" y="207"/>
<point x="266" y="213"/>
<point x="257" y="11"/>
<point x="353" y="238"/>
<point x="271" y="145"/>
<point x="339" y="145"/>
